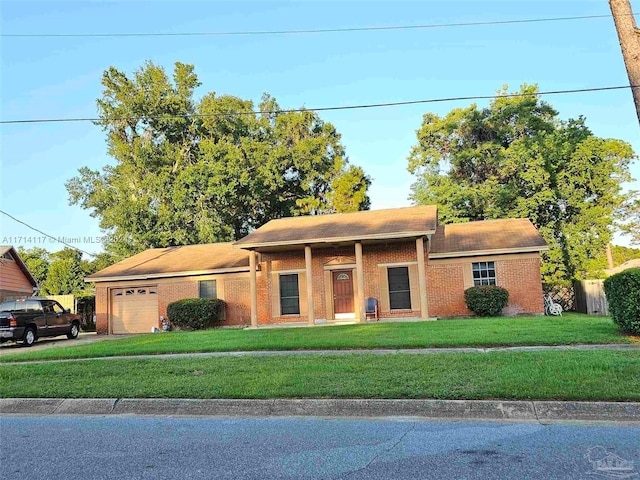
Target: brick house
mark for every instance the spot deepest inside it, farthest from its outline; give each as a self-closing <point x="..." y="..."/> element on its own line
<point x="16" y="281"/>
<point x="319" y="269"/>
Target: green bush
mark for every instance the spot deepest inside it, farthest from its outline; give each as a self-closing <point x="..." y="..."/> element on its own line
<point x="623" y="297"/>
<point x="196" y="313"/>
<point x="486" y="301"/>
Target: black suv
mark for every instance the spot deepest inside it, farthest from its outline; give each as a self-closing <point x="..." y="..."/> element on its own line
<point x="29" y="319"/>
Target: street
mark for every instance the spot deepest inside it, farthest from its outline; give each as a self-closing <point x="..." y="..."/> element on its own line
<point x="128" y="447"/>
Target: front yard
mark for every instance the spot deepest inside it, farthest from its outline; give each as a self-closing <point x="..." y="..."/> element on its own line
<point x="544" y="375"/>
<point x="476" y="332"/>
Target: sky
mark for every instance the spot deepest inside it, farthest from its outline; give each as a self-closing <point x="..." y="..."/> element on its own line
<point x="44" y="77"/>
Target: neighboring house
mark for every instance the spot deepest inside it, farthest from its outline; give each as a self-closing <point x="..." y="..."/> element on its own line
<point x="318" y="269"/>
<point x="16" y="281"/>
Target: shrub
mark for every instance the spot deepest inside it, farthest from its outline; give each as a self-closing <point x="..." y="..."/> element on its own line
<point x="486" y="301"/>
<point x="196" y="313"/>
<point x="623" y="297"/>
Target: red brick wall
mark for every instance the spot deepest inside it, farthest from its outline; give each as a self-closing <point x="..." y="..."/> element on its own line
<point x="519" y="274"/>
<point x="171" y="292"/>
<point x="392" y="252"/>
<point x="233" y="287"/>
<point x="446" y="280"/>
<point x="102" y="317"/>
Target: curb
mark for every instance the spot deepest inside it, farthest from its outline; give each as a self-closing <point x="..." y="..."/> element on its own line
<point x="540" y="411"/>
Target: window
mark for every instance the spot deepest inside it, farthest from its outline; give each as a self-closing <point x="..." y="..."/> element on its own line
<point x="57" y="308"/>
<point x="484" y="273"/>
<point x="289" y="295"/>
<point x="208" y="289"/>
<point x="399" y="291"/>
<point x="33" y="306"/>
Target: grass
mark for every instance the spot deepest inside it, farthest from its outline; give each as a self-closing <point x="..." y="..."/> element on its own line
<point x="552" y="375"/>
<point x="476" y="332"/>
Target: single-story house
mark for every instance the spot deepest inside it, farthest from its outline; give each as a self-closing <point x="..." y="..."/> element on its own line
<point x="319" y="269"/>
<point x="16" y="281"/>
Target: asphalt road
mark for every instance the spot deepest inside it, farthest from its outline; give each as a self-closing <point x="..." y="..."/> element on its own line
<point x="57" y="447"/>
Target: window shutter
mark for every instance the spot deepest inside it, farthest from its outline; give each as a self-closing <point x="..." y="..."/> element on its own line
<point x="467" y="276"/>
<point x="302" y="292"/>
<point x="414" y="287"/>
<point x="275" y="295"/>
<point x="384" y="290"/>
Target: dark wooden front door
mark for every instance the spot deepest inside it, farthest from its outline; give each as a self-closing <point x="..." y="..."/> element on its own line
<point x="343" y="291"/>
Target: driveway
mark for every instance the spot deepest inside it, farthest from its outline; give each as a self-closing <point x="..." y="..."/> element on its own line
<point x="53" y="342"/>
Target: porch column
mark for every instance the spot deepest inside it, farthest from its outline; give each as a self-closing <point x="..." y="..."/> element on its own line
<point x="253" y="288"/>
<point x="309" y="274"/>
<point x="422" y="279"/>
<point x="362" y="312"/>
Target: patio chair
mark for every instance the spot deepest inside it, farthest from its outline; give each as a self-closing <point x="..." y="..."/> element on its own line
<point x="372" y="308"/>
<point x="550" y="307"/>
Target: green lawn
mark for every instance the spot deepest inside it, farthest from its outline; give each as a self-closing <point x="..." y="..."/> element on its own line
<point x="560" y="375"/>
<point x="480" y="332"/>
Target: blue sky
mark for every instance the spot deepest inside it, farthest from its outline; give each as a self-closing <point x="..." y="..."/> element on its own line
<point x="60" y="77"/>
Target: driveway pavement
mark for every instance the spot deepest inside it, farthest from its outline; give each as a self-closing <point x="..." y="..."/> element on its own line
<point x="53" y="342"/>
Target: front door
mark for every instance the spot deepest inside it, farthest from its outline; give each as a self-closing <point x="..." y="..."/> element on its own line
<point x="342" y="291"/>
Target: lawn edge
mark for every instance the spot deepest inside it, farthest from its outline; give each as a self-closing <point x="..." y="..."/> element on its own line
<point x="516" y="410"/>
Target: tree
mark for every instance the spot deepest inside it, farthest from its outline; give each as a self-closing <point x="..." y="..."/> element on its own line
<point x="37" y="261"/>
<point x="516" y="158"/>
<point x="65" y="275"/>
<point x="195" y="171"/>
<point x="629" y="37"/>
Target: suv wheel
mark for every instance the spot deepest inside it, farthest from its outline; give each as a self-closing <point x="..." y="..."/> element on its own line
<point x="29" y="337"/>
<point x="75" y="330"/>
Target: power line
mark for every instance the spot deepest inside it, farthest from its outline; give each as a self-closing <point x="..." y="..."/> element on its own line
<point x="319" y="109"/>
<point x="309" y="31"/>
<point x="47" y="235"/>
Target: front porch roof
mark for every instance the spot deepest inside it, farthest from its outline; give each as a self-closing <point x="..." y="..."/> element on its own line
<point x="340" y="228"/>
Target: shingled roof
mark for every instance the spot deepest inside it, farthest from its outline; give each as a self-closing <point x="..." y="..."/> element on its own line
<point x="487" y="236"/>
<point x="343" y="227"/>
<point x="176" y="261"/>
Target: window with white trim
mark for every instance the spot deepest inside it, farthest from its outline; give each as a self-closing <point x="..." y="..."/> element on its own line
<point x="208" y="289"/>
<point x="289" y="294"/>
<point x="399" y="289"/>
<point x="484" y="273"/>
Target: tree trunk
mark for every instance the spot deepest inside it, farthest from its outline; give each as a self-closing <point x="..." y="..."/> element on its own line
<point x="629" y="37"/>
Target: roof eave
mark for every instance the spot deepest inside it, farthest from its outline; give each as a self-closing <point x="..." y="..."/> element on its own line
<point x="495" y="251"/>
<point x="148" y="276"/>
<point x="311" y="241"/>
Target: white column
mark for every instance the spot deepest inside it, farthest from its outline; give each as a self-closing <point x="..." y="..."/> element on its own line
<point x="362" y="311"/>
<point x="422" y="279"/>
<point x="253" y="288"/>
<point x="309" y="271"/>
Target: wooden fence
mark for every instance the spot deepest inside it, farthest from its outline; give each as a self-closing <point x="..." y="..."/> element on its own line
<point x="590" y="297"/>
<point x="67" y="301"/>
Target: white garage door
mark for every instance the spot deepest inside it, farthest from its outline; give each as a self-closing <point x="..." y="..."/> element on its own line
<point x="134" y="309"/>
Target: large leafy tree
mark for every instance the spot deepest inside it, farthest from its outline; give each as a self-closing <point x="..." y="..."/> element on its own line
<point x="516" y="158"/>
<point x="37" y="261"/>
<point x="65" y="275"/>
<point x="190" y="171"/>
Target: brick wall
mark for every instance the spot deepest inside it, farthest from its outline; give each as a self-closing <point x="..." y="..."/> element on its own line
<point x="232" y="287"/>
<point x="519" y="274"/>
<point x="391" y="252"/>
<point x="102" y="317"/>
<point x="446" y="282"/>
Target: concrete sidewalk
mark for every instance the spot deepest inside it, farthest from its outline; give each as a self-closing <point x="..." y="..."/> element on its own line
<point x="378" y="351"/>
<point x="533" y="411"/>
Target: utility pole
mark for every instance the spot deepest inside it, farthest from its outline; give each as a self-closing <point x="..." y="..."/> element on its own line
<point x="629" y="37"/>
